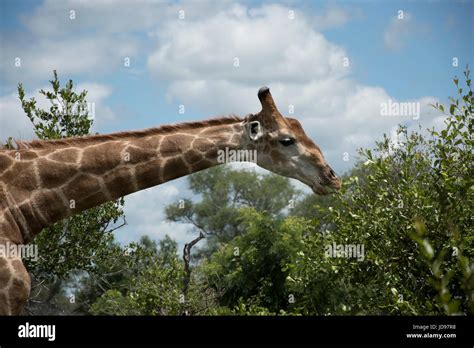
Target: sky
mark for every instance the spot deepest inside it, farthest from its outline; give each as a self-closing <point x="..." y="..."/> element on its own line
<point x="334" y="64"/>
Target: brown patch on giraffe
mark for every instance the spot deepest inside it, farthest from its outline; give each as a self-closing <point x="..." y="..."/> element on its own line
<point x="174" y="168"/>
<point x="50" y="205"/>
<point x="18" y="266"/>
<point x="139" y="155"/>
<point x="5" y="276"/>
<point x="21" y="195"/>
<point x="173" y="144"/>
<point x="65" y="155"/>
<point x="119" y="182"/>
<point x="82" y="183"/>
<point x="152" y="142"/>
<point x="18" y="295"/>
<point x="303" y="139"/>
<point x="211" y="154"/>
<point x="277" y="156"/>
<point x="202" y="164"/>
<point x="148" y="174"/>
<point x="28" y="155"/>
<point x="5" y="162"/>
<point x="92" y="200"/>
<point x="191" y="157"/>
<point x="10" y="229"/>
<point x="33" y="220"/>
<point x="54" y="174"/>
<point x="235" y="138"/>
<point x="202" y="145"/>
<point x="99" y="159"/>
<point x="149" y="143"/>
<point x="3" y="263"/>
<point x="21" y="175"/>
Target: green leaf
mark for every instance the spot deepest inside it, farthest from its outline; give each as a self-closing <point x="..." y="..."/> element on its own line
<point x="452" y="108"/>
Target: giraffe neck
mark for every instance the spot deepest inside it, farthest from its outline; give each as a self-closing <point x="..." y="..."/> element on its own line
<point x="60" y="181"/>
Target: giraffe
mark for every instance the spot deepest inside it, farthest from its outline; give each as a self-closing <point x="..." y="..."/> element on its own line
<point x="42" y="182"/>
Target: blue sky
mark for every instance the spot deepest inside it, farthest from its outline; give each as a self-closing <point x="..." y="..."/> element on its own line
<point x="190" y="62"/>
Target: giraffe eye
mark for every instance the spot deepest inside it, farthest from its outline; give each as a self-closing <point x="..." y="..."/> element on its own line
<point x="287" y="141"/>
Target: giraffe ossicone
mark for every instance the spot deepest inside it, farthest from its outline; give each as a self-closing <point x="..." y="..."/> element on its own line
<point x="43" y="182"/>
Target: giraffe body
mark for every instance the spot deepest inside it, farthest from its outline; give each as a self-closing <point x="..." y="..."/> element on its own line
<point x="43" y="182"/>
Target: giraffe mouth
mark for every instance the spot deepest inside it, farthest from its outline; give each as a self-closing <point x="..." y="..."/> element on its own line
<point x="325" y="189"/>
<point x="329" y="182"/>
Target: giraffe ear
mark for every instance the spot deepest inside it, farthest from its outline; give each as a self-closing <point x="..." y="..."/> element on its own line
<point x="254" y="130"/>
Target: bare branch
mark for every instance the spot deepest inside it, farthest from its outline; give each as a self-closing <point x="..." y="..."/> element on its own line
<point x="187" y="259"/>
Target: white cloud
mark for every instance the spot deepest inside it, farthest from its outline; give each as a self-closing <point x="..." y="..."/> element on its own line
<point x="334" y="17"/>
<point x="112" y="16"/>
<point x="83" y="55"/>
<point x="145" y="215"/>
<point x="268" y="45"/>
<point x="95" y="41"/>
<point x="299" y="64"/>
<point x="98" y="108"/>
<point x="14" y="122"/>
<point x="398" y="31"/>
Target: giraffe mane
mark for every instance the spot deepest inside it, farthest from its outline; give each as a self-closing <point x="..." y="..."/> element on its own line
<point x="46" y="144"/>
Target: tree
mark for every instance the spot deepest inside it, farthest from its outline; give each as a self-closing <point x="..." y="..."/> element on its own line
<point x="68" y="115"/>
<point x="77" y="242"/>
<point x="413" y="213"/>
<point x="223" y="191"/>
<point x="397" y="239"/>
<point x="251" y="270"/>
<point x="114" y="270"/>
<point x="153" y="285"/>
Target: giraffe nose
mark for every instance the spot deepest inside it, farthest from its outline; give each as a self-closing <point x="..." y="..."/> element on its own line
<point x="331" y="174"/>
<point x="331" y="179"/>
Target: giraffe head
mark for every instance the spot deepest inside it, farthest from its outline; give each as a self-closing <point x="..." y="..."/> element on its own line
<point x="284" y="148"/>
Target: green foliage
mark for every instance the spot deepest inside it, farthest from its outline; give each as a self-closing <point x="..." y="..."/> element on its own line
<point x="413" y="212"/>
<point x="68" y="115"/>
<point x="253" y="267"/>
<point x="223" y="192"/>
<point x="409" y="203"/>
<point x="168" y="249"/>
<point x="76" y="243"/>
<point x="154" y="288"/>
<point x="113" y="269"/>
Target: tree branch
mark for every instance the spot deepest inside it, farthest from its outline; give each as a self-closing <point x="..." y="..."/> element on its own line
<point x="187" y="259"/>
